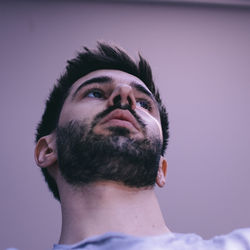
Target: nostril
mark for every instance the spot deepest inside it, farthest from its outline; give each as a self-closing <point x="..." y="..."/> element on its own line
<point x="129" y="101"/>
<point x="117" y="99"/>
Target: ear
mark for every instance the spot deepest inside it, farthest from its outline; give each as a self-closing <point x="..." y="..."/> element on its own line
<point x="45" y="153"/>
<point x="162" y="172"/>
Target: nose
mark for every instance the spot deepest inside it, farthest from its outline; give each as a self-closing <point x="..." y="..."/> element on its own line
<point x="122" y="93"/>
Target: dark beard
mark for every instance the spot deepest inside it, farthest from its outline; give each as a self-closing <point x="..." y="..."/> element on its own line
<point x="85" y="157"/>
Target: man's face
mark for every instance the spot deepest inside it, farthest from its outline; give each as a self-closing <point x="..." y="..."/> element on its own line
<point x="109" y="129"/>
<point x="96" y="91"/>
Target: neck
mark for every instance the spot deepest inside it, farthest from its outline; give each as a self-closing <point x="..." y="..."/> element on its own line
<point x="109" y="207"/>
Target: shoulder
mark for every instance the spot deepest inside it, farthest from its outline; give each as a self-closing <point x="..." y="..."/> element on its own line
<point x="238" y="239"/>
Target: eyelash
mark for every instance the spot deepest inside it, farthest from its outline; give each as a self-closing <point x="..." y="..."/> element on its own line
<point x="99" y="91"/>
<point x="148" y="104"/>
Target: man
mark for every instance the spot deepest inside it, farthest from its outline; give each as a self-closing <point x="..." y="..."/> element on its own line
<point x="100" y="145"/>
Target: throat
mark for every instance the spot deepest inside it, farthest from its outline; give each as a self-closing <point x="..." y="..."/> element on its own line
<point x="110" y="207"/>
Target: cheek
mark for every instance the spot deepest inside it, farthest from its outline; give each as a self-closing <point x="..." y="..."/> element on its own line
<point x="154" y="128"/>
<point x="78" y="112"/>
<point x="153" y="125"/>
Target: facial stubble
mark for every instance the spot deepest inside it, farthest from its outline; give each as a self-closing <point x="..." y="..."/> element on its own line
<point x="86" y="157"/>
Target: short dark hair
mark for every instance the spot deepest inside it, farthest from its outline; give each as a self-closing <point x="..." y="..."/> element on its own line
<point x="104" y="57"/>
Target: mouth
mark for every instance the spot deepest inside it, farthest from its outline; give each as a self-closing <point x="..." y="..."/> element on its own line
<point x="121" y="118"/>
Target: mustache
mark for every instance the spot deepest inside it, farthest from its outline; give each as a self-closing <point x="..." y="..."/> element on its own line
<point x="112" y="108"/>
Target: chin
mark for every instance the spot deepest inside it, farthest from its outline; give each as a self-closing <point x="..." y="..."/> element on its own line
<point x="114" y="130"/>
<point x="120" y="131"/>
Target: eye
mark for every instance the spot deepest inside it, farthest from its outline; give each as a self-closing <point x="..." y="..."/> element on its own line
<point x="144" y="104"/>
<point x="95" y="94"/>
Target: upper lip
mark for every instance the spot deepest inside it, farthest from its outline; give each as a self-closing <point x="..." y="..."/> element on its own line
<point x="120" y="114"/>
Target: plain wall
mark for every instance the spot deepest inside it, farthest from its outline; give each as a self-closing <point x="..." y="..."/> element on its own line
<point x="200" y="58"/>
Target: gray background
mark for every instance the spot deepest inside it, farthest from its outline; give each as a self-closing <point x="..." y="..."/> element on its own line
<point x="200" y="55"/>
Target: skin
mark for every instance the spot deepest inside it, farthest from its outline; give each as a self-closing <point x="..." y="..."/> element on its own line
<point x="106" y="206"/>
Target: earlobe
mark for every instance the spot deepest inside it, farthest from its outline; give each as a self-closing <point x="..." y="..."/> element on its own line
<point x="45" y="154"/>
<point x="162" y="172"/>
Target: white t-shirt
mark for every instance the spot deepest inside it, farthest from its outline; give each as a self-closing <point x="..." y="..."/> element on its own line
<point x="237" y="240"/>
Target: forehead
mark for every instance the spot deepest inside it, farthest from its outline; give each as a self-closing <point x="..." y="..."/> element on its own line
<point x="117" y="77"/>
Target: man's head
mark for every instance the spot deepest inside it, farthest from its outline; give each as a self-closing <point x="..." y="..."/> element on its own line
<point x="104" y="109"/>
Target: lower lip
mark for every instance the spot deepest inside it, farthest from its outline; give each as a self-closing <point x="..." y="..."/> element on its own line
<point x="120" y="123"/>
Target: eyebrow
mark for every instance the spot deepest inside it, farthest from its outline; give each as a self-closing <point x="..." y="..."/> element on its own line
<point x="107" y="79"/>
<point x="100" y="79"/>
